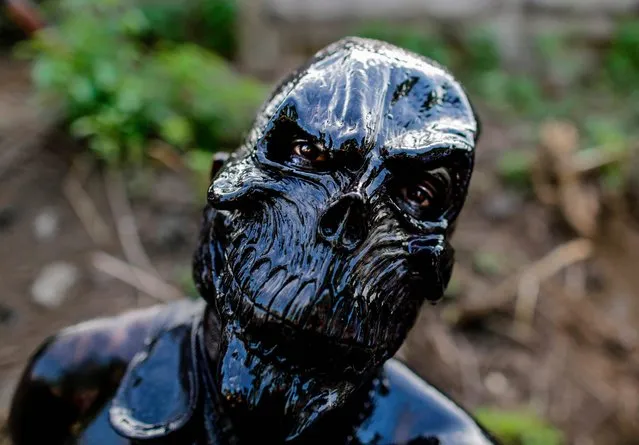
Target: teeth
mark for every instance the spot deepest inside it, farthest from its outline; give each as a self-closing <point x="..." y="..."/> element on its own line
<point x="338" y="319"/>
<point x="300" y="304"/>
<point x="260" y="316"/>
<point x="284" y="298"/>
<point x="319" y="310"/>
<point x="258" y="276"/>
<point x="359" y="322"/>
<point x="246" y="310"/>
<point x="373" y="330"/>
<point x="247" y="262"/>
<point x="353" y="322"/>
<point x="269" y="288"/>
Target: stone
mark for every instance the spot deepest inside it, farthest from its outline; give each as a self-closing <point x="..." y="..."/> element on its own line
<point x="53" y="284"/>
<point x="496" y="383"/>
<point x="502" y="205"/>
<point x="46" y="224"/>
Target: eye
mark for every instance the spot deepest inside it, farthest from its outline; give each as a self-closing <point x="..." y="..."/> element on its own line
<point x="428" y="197"/>
<point x="307" y="154"/>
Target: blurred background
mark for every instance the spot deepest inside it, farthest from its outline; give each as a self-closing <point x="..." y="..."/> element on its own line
<point x="110" y="110"/>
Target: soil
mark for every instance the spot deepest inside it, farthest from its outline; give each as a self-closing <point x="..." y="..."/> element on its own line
<point x="574" y="363"/>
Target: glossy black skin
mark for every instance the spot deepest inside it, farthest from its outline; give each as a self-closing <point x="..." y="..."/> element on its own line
<point x="322" y="236"/>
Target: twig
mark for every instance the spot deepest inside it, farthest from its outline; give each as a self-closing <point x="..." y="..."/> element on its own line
<point x="125" y="222"/>
<point x="85" y="209"/>
<point x="558" y="153"/>
<point x="25" y="144"/>
<point x="595" y="158"/>
<point x="531" y="279"/>
<point x="144" y="281"/>
<point x="26" y="15"/>
<point x="468" y="311"/>
<point x="525" y="281"/>
<point x="580" y="315"/>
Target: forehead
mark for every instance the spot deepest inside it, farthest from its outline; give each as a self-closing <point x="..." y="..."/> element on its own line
<point x="367" y="94"/>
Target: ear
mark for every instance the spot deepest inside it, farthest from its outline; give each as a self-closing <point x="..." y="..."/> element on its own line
<point x="219" y="158"/>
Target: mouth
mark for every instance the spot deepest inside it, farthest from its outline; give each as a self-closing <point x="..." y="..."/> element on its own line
<point x="307" y="343"/>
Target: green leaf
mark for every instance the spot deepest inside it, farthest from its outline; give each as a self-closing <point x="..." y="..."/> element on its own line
<point x="514" y="167"/>
<point x="199" y="161"/>
<point x="105" y="74"/>
<point x="106" y="148"/>
<point x="84" y="127"/>
<point x="81" y="90"/>
<point x="134" y="22"/>
<point x="488" y="263"/>
<point x="519" y="427"/>
<point x="176" y="130"/>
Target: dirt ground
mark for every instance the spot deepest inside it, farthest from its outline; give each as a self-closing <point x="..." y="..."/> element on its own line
<point x="568" y="352"/>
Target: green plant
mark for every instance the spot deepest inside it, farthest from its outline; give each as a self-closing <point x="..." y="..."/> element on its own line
<point x="514" y="168"/>
<point x="199" y="162"/>
<point x="481" y="54"/>
<point x="427" y="44"/>
<point x="183" y="277"/>
<point x="509" y="92"/>
<point x="209" y="23"/>
<point x="118" y="92"/>
<point x="519" y="427"/>
<point x="488" y="263"/>
<point x="608" y="137"/>
<point x="622" y="59"/>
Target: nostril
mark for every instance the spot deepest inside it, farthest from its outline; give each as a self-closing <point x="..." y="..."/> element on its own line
<point x="344" y="222"/>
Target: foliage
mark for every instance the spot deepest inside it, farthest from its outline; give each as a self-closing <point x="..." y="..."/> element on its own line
<point x="199" y="161"/>
<point x="622" y="60"/>
<point x="117" y="91"/>
<point x="488" y="263"/>
<point x="519" y="427"/>
<point x="431" y="45"/>
<point x="210" y="23"/>
<point x="514" y="167"/>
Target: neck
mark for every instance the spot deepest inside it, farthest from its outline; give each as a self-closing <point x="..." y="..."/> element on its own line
<point x="273" y="402"/>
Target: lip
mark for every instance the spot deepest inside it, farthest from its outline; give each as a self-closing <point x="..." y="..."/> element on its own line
<point x="272" y="337"/>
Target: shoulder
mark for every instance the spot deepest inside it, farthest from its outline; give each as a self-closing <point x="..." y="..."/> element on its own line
<point x="407" y="410"/>
<point x="93" y="344"/>
<point x="75" y="371"/>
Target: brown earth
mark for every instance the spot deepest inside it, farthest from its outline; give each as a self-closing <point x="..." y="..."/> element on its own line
<point x="572" y="357"/>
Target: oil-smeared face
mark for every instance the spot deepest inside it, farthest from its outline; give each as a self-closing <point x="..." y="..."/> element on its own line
<point x="330" y="227"/>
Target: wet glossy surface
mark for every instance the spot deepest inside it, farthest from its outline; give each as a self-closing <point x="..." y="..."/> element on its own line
<point x="322" y="236"/>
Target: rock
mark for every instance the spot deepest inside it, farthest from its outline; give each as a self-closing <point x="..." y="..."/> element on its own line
<point x="502" y="205"/>
<point x="496" y="383"/>
<point x="45" y="225"/>
<point x="53" y="284"/>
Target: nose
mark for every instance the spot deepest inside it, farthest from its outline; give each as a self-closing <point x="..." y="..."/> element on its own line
<point x="343" y="223"/>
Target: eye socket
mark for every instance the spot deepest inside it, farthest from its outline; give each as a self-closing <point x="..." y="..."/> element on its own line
<point x="307" y="154"/>
<point x="428" y="197"/>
